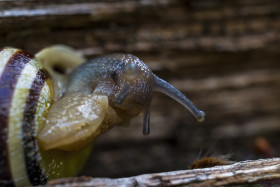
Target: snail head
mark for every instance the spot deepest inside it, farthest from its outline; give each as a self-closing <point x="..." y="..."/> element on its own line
<point x="129" y="84"/>
<point x="101" y="93"/>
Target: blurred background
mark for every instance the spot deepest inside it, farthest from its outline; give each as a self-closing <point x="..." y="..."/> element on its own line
<point x="223" y="55"/>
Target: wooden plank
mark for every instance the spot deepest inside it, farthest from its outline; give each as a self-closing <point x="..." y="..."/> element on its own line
<point x="265" y="172"/>
<point x="224" y="55"/>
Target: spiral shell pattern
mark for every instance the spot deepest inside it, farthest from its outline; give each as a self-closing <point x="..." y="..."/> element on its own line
<point x="26" y="94"/>
<point x="23" y="83"/>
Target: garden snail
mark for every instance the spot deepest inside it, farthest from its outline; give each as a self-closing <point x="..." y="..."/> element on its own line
<point x="49" y="121"/>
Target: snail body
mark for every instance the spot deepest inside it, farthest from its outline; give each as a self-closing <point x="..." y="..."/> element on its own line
<point x="49" y="120"/>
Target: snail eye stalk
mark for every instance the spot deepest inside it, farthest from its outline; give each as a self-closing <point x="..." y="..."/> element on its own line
<point x="166" y="88"/>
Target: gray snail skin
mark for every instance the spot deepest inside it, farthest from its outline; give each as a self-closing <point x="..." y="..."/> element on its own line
<point x="49" y="120"/>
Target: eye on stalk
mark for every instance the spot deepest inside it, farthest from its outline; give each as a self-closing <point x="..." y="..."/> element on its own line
<point x="166" y="88"/>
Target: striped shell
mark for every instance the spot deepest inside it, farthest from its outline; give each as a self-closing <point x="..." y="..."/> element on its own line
<point x="26" y="93"/>
<point x="100" y="93"/>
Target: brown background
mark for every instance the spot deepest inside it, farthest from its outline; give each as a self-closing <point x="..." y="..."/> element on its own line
<point x="224" y="55"/>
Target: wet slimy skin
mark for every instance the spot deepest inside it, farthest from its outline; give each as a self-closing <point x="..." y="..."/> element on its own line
<point x="117" y="88"/>
<point x="49" y="119"/>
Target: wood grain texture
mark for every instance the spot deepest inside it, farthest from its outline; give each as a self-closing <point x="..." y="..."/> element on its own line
<point x="259" y="172"/>
<point x="141" y="26"/>
<point x="224" y="55"/>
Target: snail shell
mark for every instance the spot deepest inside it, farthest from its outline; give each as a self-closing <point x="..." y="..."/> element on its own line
<point x="49" y="120"/>
<point x="26" y="94"/>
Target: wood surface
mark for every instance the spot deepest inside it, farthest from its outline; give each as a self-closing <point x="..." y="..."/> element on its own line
<point x="246" y="173"/>
<point x="224" y="55"/>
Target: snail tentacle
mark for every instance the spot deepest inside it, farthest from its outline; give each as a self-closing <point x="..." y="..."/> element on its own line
<point x="122" y="96"/>
<point x="166" y="88"/>
<point x="146" y="122"/>
<point x="48" y="123"/>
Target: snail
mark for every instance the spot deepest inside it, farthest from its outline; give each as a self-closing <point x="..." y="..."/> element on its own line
<point x="50" y="116"/>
